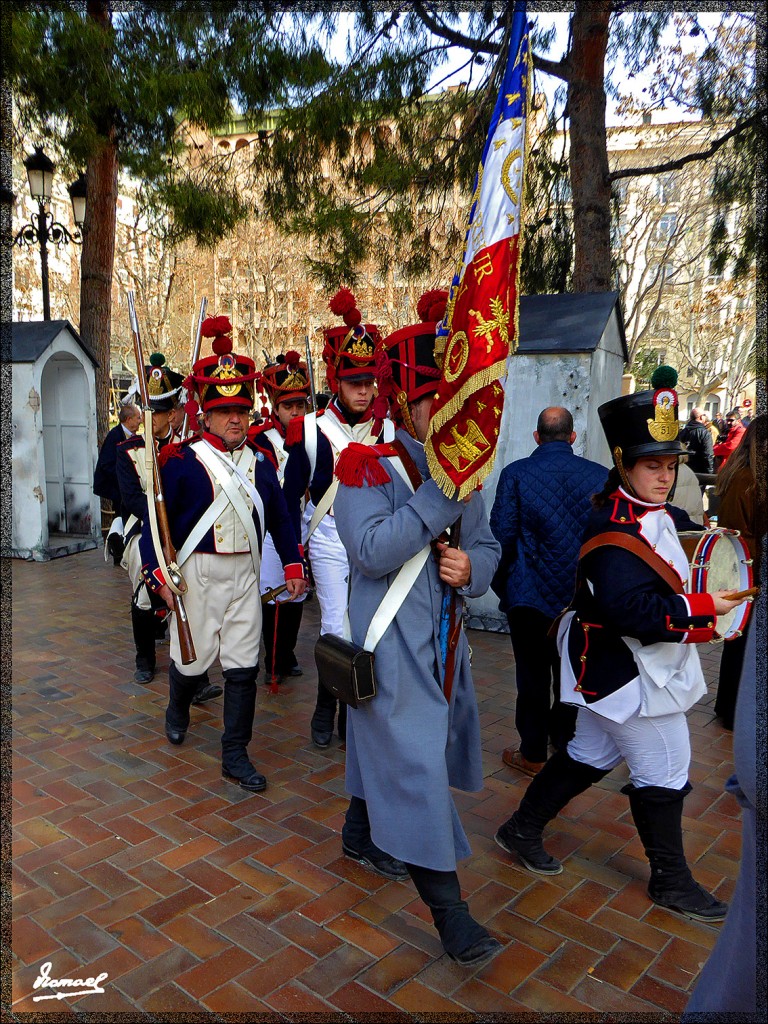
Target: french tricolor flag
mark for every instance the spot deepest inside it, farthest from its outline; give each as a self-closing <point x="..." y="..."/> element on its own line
<point x="480" y="326"/>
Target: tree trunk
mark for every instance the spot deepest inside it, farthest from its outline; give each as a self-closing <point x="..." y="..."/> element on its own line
<point x="588" y="148"/>
<point x="99" y="250"/>
<point x="96" y="272"/>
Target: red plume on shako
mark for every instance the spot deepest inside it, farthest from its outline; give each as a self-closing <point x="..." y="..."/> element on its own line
<point x="349" y="352"/>
<point x="224" y="378"/>
<point x="286" y="379"/>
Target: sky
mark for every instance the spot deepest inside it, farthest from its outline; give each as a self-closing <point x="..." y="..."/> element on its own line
<point x="448" y="75"/>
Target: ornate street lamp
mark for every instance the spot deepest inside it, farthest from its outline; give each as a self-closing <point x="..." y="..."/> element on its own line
<point x="42" y="228"/>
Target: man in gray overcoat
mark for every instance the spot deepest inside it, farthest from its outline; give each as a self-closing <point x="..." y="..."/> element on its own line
<point x="420" y="734"/>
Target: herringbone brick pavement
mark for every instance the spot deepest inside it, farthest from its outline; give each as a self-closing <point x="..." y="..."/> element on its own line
<point x="136" y="859"/>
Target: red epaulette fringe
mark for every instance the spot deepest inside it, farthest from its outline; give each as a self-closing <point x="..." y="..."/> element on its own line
<point x="170" y="451"/>
<point x="359" y="464"/>
<point x="294" y="432"/>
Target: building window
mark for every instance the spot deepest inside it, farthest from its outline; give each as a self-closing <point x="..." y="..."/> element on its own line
<point x="665" y="271"/>
<point x="666" y="226"/>
<point x="667" y="188"/>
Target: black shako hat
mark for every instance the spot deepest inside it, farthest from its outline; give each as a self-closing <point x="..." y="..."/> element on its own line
<point x="645" y="423"/>
<point x="163" y="384"/>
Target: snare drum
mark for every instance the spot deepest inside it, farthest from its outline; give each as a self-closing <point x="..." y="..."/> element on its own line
<point x="719" y="560"/>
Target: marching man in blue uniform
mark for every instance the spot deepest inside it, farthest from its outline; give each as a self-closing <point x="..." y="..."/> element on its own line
<point x="314" y="444"/>
<point x="286" y="383"/>
<point x="629" y="660"/>
<point x="420" y="734"/>
<point x="221" y="496"/>
<point x="163" y="385"/>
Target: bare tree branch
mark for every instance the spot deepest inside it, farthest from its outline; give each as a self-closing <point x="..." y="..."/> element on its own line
<point x="674" y="165"/>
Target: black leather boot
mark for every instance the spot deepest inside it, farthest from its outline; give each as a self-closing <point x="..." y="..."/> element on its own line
<point x="239" y="708"/>
<point x="321" y="726"/>
<point x="558" y="782"/>
<point x="206" y="690"/>
<point x="181" y="691"/>
<point x="143" y="623"/>
<point x="463" y="939"/>
<point x="658" y="813"/>
<point x="356" y="843"/>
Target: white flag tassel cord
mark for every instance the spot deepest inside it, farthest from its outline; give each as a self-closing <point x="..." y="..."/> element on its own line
<point x="161" y="536"/>
<point x="195" y="357"/>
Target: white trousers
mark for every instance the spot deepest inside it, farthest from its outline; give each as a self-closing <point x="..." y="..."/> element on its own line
<point x="224" y="611"/>
<point x="330" y="568"/>
<point x="132" y="563"/>
<point x="272" y="573"/>
<point x="657" y="750"/>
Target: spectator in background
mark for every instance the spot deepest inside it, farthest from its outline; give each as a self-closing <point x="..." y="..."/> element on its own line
<point x="697" y="439"/>
<point x="741" y="487"/>
<point x="541" y="508"/>
<point x="105" y="483"/>
<point x="688" y="494"/>
<point x="712" y="427"/>
<point x="726" y="448"/>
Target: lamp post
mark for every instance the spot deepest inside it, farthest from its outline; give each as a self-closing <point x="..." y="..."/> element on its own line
<point x="42" y="228"/>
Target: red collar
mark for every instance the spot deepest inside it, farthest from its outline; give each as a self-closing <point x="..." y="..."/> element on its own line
<point x="278" y="426"/>
<point x="216" y="442"/>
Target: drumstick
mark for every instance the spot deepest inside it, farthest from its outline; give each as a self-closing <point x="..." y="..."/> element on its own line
<point x="742" y="595"/>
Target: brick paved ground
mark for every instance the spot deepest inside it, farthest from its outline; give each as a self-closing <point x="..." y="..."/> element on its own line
<point x="135" y="858"/>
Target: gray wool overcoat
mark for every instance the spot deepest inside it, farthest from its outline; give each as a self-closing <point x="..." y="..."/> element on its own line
<point x="406" y="747"/>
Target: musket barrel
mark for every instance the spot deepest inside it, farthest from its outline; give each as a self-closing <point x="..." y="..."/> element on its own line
<point x="163" y="528"/>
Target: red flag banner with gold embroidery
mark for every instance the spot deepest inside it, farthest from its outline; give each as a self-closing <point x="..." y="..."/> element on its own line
<point x="481" y="322"/>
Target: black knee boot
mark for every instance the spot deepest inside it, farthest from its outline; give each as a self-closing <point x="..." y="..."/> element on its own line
<point x="463" y="939"/>
<point x="181" y="692"/>
<point x="558" y="782"/>
<point x="239" y="708"/>
<point x="657" y="813"/>
<point x="143" y="622"/>
<point x="321" y="726"/>
<point x="356" y="843"/>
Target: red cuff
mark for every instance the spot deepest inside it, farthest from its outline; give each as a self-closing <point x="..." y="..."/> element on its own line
<point x="701" y="604"/>
<point x="294" y="571"/>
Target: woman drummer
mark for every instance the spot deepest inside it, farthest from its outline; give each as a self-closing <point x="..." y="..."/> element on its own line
<point x="629" y="660"/>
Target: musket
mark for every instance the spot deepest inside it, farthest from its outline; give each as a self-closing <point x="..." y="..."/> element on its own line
<point x="158" y="514"/>
<point x="310" y="371"/>
<point x="195" y="355"/>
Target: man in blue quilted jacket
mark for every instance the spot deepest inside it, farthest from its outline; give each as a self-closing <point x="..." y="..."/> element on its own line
<point x="539" y="514"/>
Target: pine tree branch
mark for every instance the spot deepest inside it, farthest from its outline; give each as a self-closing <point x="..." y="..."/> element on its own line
<point x="559" y="69"/>
<point x="674" y="165"/>
<point x="438" y="28"/>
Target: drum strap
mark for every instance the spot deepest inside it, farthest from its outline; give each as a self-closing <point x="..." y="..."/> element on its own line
<point x="615" y="539"/>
